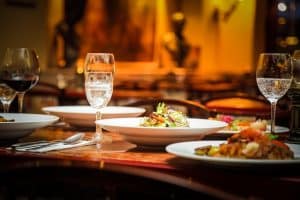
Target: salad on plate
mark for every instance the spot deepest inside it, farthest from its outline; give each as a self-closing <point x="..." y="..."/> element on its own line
<point x="164" y="116"/>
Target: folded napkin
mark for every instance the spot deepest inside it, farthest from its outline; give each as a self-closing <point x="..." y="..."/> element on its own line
<point x="59" y="146"/>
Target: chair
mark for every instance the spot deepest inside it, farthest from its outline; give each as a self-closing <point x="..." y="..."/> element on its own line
<point x="44" y="89"/>
<point x="41" y="95"/>
<point x="190" y="108"/>
<point x="240" y="104"/>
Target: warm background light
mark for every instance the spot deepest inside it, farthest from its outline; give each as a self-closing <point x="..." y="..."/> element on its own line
<point x="223" y="46"/>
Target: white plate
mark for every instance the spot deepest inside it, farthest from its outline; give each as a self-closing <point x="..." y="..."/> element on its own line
<point x="23" y="124"/>
<point x="132" y="131"/>
<point x="187" y="149"/>
<point x="84" y="116"/>
<point x="278" y="129"/>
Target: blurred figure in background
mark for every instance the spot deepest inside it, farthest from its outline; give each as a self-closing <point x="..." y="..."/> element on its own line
<point x="175" y="42"/>
<point x="66" y="41"/>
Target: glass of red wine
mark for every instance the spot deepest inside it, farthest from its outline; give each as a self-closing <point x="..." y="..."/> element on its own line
<point x="20" y="70"/>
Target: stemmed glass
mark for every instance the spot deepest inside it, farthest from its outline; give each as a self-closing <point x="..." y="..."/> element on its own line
<point x="7" y="95"/>
<point x="99" y="71"/>
<point x="296" y="68"/>
<point x="20" y="70"/>
<point x="274" y="75"/>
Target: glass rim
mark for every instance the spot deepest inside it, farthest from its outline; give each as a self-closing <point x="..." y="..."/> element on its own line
<point x="15" y="48"/>
<point x="102" y="53"/>
<point x="274" y="54"/>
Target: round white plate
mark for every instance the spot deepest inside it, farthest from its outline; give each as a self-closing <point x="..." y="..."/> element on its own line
<point x="187" y="149"/>
<point x="84" y="116"/>
<point x="278" y="129"/>
<point x="23" y="124"/>
<point x="132" y="131"/>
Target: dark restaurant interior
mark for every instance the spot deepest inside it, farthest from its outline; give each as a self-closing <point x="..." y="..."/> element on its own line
<point x="200" y="57"/>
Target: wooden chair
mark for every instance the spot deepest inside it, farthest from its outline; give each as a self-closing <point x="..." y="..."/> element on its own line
<point x="45" y="89"/>
<point x="190" y="108"/>
<point x="41" y="95"/>
<point x="237" y="104"/>
<point x="242" y="104"/>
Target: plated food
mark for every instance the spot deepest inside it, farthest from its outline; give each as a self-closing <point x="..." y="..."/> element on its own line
<point x="250" y="143"/>
<point x="164" y="116"/>
<point x="23" y="124"/>
<point x="187" y="150"/>
<point x="240" y="123"/>
<point x="133" y="132"/>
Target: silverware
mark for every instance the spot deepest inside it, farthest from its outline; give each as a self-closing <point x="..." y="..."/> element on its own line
<point x="70" y="140"/>
<point x="22" y="144"/>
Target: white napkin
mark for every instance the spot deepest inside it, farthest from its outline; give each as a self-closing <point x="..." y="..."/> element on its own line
<point x="59" y="146"/>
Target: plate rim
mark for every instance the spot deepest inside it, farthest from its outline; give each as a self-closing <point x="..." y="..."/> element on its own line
<point x="159" y="128"/>
<point x="46" y="109"/>
<point x="18" y="129"/>
<point x="48" y="118"/>
<point x="228" y="132"/>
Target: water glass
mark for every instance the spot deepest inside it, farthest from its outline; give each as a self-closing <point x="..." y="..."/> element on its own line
<point x="99" y="71"/>
<point x="274" y="76"/>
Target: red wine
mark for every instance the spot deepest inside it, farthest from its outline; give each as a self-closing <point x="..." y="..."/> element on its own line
<point x="21" y="85"/>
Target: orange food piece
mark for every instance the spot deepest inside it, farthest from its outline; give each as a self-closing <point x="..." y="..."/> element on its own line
<point x="280" y="144"/>
<point x="252" y="134"/>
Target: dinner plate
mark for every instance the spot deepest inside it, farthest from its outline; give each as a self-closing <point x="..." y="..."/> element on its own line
<point x="152" y="136"/>
<point x="84" y="116"/>
<point x="278" y="130"/>
<point x="23" y="124"/>
<point x="187" y="149"/>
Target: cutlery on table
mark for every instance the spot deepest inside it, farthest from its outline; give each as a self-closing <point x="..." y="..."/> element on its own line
<point x="41" y="144"/>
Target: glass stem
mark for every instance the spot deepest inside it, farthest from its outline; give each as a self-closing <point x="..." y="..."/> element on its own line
<point x="98" y="134"/>
<point x="6" y="107"/>
<point x="273" y="116"/>
<point x="20" y="100"/>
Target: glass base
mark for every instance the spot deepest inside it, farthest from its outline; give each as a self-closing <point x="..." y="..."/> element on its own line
<point x="104" y="140"/>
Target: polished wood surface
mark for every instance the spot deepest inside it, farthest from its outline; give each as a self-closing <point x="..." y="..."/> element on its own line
<point x="126" y="159"/>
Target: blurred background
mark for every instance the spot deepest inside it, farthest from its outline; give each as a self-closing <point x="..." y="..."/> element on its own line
<point x="180" y="48"/>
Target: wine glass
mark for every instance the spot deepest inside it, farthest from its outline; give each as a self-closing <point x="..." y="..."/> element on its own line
<point x="274" y="75"/>
<point x="99" y="73"/>
<point x="296" y="69"/>
<point x="7" y="95"/>
<point x="20" y="70"/>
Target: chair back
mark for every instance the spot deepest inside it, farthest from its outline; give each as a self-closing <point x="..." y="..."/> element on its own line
<point x="239" y="104"/>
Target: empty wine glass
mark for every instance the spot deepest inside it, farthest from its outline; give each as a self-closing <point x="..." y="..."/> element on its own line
<point x="7" y="95"/>
<point x="99" y="73"/>
<point x="274" y="75"/>
<point x="20" y="70"/>
<point x="296" y="69"/>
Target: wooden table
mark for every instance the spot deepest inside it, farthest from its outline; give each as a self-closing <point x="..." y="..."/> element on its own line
<point x="128" y="171"/>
